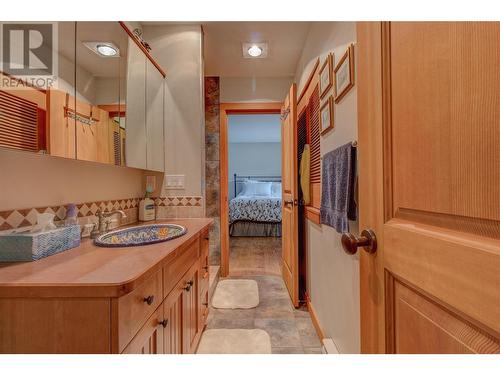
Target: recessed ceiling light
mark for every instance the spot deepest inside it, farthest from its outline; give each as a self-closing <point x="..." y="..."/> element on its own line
<point x="106" y="50"/>
<point x="254" y="50"/>
<point x="103" y="49"/>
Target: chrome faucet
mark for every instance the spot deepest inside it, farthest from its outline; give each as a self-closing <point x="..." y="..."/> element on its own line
<point x="102" y="225"/>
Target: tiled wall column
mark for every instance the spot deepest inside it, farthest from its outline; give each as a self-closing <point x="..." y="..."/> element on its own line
<point x="212" y="170"/>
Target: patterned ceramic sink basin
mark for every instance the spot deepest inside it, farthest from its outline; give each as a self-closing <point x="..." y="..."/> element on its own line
<point x="141" y="235"/>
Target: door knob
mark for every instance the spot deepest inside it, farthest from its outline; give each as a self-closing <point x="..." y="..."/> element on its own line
<point x="290" y="202"/>
<point x="367" y="241"/>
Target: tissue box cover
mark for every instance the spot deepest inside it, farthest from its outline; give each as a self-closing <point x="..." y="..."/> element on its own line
<point x="22" y="247"/>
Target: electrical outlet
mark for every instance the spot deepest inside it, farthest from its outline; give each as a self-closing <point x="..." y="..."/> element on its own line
<point x="174" y="181"/>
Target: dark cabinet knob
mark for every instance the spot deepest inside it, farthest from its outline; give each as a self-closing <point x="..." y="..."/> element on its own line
<point x="367" y="241"/>
<point x="149" y="299"/>
<point x="163" y="323"/>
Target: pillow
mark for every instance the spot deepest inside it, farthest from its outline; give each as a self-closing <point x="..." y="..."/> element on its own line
<point x="262" y="189"/>
<point x="276" y="189"/>
<point x="246" y="188"/>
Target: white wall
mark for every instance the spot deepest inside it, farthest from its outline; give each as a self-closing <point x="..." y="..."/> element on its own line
<point x="35" y="180"/>
<point x="251" y="159"/>
<point x="333" y="276"/>
<point x="177" y="48"/>
<point x="257" y="89"/>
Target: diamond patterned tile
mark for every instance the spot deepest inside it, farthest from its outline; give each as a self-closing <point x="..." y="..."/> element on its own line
<point x="84" y="210"/>
<point x="32" y="216"/>
<point x="5" y="214"/>
<point x="14" y="219"/>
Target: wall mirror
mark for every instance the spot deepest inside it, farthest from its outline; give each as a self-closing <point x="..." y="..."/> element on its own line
<point x="101" y="50"/>
<point x="105" y="104"/>
<point x="33" y="106"/>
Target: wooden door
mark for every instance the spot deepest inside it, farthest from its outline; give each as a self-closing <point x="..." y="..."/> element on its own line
<point x="173" y="321"/>
<point x="429" y="136"/>
<point x="149" y="339"/>
<point x="191" y="309"/>
<point x="290" y="253"/>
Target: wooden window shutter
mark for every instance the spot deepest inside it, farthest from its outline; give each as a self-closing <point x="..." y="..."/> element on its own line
<point x="18" y="122"/>
<point x="314" y="137"/>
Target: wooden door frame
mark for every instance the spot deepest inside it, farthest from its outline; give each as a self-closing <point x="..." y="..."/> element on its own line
<point x="372" y="41"/>
<point x="226" y="109"/>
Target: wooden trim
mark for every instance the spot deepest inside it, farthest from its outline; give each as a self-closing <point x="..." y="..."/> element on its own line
<point x="327" y="64"/>
<point x="113" y="109"/>
<point x="308" y="82"/>
<point x="331" y="123"/>
<point x="143" y="49"/>
<point x="371" y="190"/>
<point x="387" y="118"/>
<point x="225" y="109"/>
<point x="312" y="214"/>
<point x="349" y="53"/>
<point x="314" y="318"/>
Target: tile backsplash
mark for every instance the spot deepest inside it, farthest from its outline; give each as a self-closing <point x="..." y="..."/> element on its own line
<point x="167" y="207"/>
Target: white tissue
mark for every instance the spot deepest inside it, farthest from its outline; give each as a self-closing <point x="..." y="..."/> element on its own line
<point x="44" y="222"/>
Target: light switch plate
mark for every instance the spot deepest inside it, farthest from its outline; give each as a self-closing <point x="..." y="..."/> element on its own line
<point x="174" y="181"/>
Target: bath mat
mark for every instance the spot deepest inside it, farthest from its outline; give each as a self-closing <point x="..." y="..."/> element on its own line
<point x="234" y="341"/>
<point x="236" y="294"/>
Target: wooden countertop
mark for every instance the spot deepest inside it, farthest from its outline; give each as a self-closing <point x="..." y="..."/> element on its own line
<point x="92" y="271"/>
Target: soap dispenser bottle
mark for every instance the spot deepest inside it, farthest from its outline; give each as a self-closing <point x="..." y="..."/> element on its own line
<point x="147" y="208"/>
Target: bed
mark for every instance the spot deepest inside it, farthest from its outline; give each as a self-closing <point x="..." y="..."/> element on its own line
<point x="255" y="210"/>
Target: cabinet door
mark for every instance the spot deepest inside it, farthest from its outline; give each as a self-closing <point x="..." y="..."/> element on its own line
<point x="154" y="118"/>
<point x="136" y="108"/>
<point x="191" y="310"/>
<point x="149" y="339"/>
<point x="173" y="320"/>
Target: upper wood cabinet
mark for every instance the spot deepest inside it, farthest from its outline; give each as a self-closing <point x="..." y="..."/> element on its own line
<point x="103" y="102"/>
<point x="145" y="112"/>
<point x="155" y="156"/>
<point x="136" y="149"/>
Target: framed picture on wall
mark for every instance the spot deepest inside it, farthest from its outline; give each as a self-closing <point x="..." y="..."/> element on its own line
<point x="344" y="74"/>
<point x="326" y="116"/>
<point x="326" y="76"/>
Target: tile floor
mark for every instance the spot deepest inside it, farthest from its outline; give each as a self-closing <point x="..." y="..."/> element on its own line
<point x="291" y="330"/>
<point x="255" y="256"/>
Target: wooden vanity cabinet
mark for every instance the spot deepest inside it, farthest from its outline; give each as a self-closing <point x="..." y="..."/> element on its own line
<point x="177" y="324"/>
<point x="163" y="310"/>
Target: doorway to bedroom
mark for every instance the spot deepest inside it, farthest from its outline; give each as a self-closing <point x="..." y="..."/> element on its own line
<point x="254" y="193"/>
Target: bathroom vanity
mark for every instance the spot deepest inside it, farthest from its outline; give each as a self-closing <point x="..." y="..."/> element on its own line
<point x="141" y="299"/>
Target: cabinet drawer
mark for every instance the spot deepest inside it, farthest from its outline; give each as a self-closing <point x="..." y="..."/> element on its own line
<point x="149" y="339"/>
<point x="137" y="306"/>
<point x="174" y="271"/>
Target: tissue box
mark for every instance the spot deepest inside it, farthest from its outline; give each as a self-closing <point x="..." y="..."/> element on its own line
<point x="26" y="246"/>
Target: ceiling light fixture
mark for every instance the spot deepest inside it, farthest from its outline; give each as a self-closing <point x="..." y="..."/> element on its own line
<point x="103" y="49"/>
<point x="106" y="50"/>
<point x="255" y="51"/>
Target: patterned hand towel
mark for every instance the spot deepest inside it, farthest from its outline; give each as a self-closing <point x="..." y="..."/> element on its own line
<point x="337" y="188"/>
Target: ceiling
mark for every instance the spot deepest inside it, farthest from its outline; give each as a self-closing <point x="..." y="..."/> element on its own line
<point x="254" y="128"/>
<point x="96" y="65"/>
<point x="223" y="48"/>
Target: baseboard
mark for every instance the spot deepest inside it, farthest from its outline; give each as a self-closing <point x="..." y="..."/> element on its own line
<point x="314" y="318"/>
